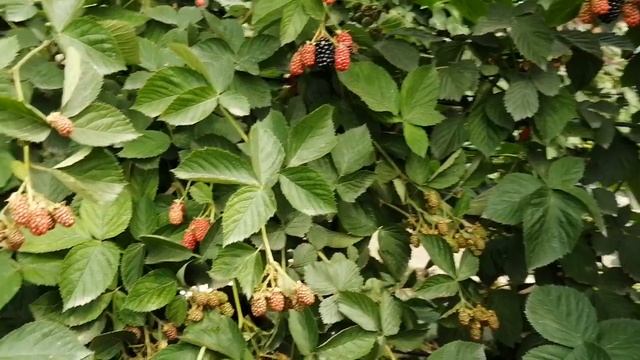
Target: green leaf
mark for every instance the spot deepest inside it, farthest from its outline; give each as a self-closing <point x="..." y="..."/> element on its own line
<point x="508" y="306"/>
<point x="304" y="330"/>
<point x="447" y="137"/>
<point x="151" y="143"/>
<point x="102" y="125"/>
<point x="107" y="220"/>
<point x="254" y="88"/>
<point x="390" y="314"/>
<point x="218" y="333"/>
<point x="459" y="350"/>
<point x="61" y="12"/>
<point x="293" y="21"/>
<point x="437" y="286"/>
<point x="85" y="313"/>
<point x="132" y="264"/>
<point x="217" y="166"/>
<point x="10" y="279"/>
<point x="95" y="43"/>
<point x="547" y="352"/>
<point x="87" y="271"/>
<point x="450" y="172"/>
<point x="20" y="121"/>
<point x="552" y="224"/>
<point x="9" y="47"/>
<point x="356" y="219"/>
<point x="201" y="193"/>
<point x="498" y="17"/>
<point x="182" y="351"/>
<point x="562" y="315"/>
<point x="353" y="151"/>
<point x="247" y="210"/>
<point x="339" y="274"/>
<point x="350" y="187"/>
<point x="547" y="82"/>
<point x="40" y="269"/>
<point x="561" y="12"/>
<point x="484" y="133"/>
<point x="191" y="106"/>
<point x="239" y="261"/>
<point x="509" y="199"/>
<point x="42" y="340"/>
<point x="394" y="250"/>
<point x="321" y="237"/>
<point x="59" y="238"/>
<point x="360" y="309"/>
<point x="164" y="87"/>
<point x="400" y="54"/>
<point x="126" y="40"/>
<point x="82" y="83"/>
<point x="533" y="38"/>
<point x="457" y="79"/>
<point x="440" y="253"/>
<point x="618" y="337"/>
<point x="416" y="138"/>
<point x="588" y="351"/>
<point x="262" y="8"/>
<point x="236" y="103"/>
<point x="469" y="265"/>
<point x="307" y="191"/>
<point x="312" y="137"/>
<point x="177" y="310"/>
<point x="349" y="344"/>
<point x="521" y="99"/>
<point x="267" y="153"/>
<point x="152" y="291"/>
<point x="566" y="171"/>
<point x="373" y="85"/>
<point x="554" y="115"/>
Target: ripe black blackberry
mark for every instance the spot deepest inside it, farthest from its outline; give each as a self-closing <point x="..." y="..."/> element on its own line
<point x="614" y="12"/>
<point x="325" y="51"/>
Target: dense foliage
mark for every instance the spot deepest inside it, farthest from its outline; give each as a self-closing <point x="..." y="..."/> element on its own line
<point x="358" y="179"/>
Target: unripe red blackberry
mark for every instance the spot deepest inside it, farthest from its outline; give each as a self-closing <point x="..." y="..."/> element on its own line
<point x="600" y="7"/>
<point x="343" y="58"/>
<point x="63" y="215"/>
<point x="200" y="3"/>
<point x="296" y="66"/>
<point x="258" y="305"/>
<point x="586" y="15"/>
<point x="14" y="239"/>
<point x="41" y="221"/>
<point x="176" y="212"/>
<point x="308" y="54"/>
<point x="189" y="240"/>
<point x="344" y="38"/>
<point x="325" y="51"/>
<point x="200" y="227"/>
<point x="170" y="331"/>
<point x="304" y="294"/>
<point x="615" y="6"/>
<point x="19" y="209"/>
<point x="61" y="124"/>
<point x="631" y="14"/>
<point x="329" y="2"/>
<point x="276" y="301"/>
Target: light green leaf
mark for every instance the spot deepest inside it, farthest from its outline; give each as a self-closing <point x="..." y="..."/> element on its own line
<point x="469" y="265"/>
<point x="10" y="279"/>
<point x="20" y="121"/>
<point x="236" y="103"/>
<point x="509" y="199"/>
<point x="218" y="333"/>
<point x="59" y="238"/>
<point x="83" y="314"/>
<point x="459" y="350"/>
<point x="164" y="87"/>
<point x="400" y="54"/>
<point x="217" y="166"/>
<point x="87" y="271"/>
<point x="360" y="309"/>
<point x="619" y="338"/>
<point x="150" y="144"/>
<point x="239" y="261"/>
<point x="106" y="220"/>
<point x="40" y="269"/>
<point x="126" y="39"/>
<point x="293" y="21"/>
<point x="307" y="191"/>
<point x="547" y="352"/>
<point x="547" y="82"/>
<point x="263" y="8"/>
<point x="339" y="274"/>
<point x="254" y="88"/>
<point x="394" y="250"/>
<point x="533" y="38"/>
<point x="588" y="351"/>
<point x="247" y="210"/>
<point x="390" y="314"/>
<point x="201" y="193"/>
<point x="42" y="340"/>
<point x="440" y="253"/>
<point x="304" y="330"/>
<point x="267" y="153"/>
<point x="349" y="344"/>
<point x="132" y="264"/>
<point x="554" y="115"/>
<point x="163" y="13"/>
<point x="177" y="310"/>
<point x="61" y="12"/>
<point x="373" y="85"/>
<point x="82" y="83"/>
<point x="416" y="138"/>
<point x="353" y="150"/>
<point x="562" y="315"/>
<point x="437" y="286"/>
<point x="458" y="78"/>
<point x="521" y="99"/>
<point x="191" y="106"/>
<point x="321" y="237"/>
<point x="152" y="291"/>
<point x="102" y="125"/>
<point x="552" y="224"/>
<point x="350" y="187"/>
<point x="312" y="137"/>
<point x="566" y="171"/>
<point x="9" y="47"/>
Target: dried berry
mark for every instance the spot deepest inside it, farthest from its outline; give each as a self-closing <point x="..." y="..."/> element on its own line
<point x="41" y="221"/>
<point x="308" y="54"/>
<point x="170" y="331"/>
<point x="176" y="212"/>
<point x="189" y="240"/>
<point x="276" y="301"/>
<point x="325" y="51"/>
<point x="63" y="215"/>
<point x="200" y="227"/>
<point x="60" y="123"/>
<point x="258" y="305"/>
<point x="304" y="294"/>
<point x="296" y="66"/>
<point x="343" y="58"/>
<point x="19" y="209"/>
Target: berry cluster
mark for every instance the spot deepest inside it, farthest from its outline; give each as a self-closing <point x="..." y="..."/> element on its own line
<point x="275" y="300"/>
<point x="608" y="11"/>
<point x="324" y="52"/>
<point x="35" y="213"/>
<point x="476" y="318"/>
<point x="197" y="229"/>
<point x="61" y="124"/>
<point x="208" y="300"/>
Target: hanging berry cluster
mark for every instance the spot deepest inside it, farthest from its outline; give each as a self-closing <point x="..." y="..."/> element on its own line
<point x="476" y="318"/>
<point x="203" y="300"/>
<point x="608" y="11"/>
<point x="323" y="52"/>
<point x="198" y="227"/>
<point x="273" y="299"/>
<point x="34" y="212"/>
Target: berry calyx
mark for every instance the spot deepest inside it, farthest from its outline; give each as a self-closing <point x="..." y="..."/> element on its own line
<point x="63" y="215"/>
<point x="189" y="240"/>
<point x="200" y="227"/>
<point x="296" y="66"/>
<point x="19" y="209"/>
<point x="276" y="301"/>
<point x="308" y="54"/>
<point x="631" y="14"/>
<point x="41" y="221"/>
<point x="343" y="57"/>
<point x="258" y="305"/>
<point x="61" y="124"/>
<point x="176" y="212"/>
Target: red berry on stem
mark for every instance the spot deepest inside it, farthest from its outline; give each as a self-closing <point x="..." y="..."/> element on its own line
<point x="600" y="7"/>
<point x="329" y="2"/>
<point x="19" y="209"/>
<point x="200" y="227"/>
<point x="586" y="15"/>
<point x="176" y="212"/>
<point x="308" y="54"/>
<point x="201" y="3"/>
<point x="189" y="240"/>
<point x="344" y="38"/>
<point x="343" y="57"/>
<point x="41" y="221"/>
<point x="61" y="124"/>
<point x="63" y="215"/>
<point x="631" y="14"/>
<point x="296" y="66"/>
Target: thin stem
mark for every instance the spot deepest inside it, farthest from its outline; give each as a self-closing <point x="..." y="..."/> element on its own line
<point x="203" y="350"/>
<point x="389" y="352"/>
<point x="235" y="125"/>
<point x="389" y="160"/>
<point x="15" y="70"/>
<point x="236" y="300"/>
<point x="26" y="154"/>
<point x="406" y="214"/>
<point x="323" y="256"/>
<point x="267" y="246"/>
